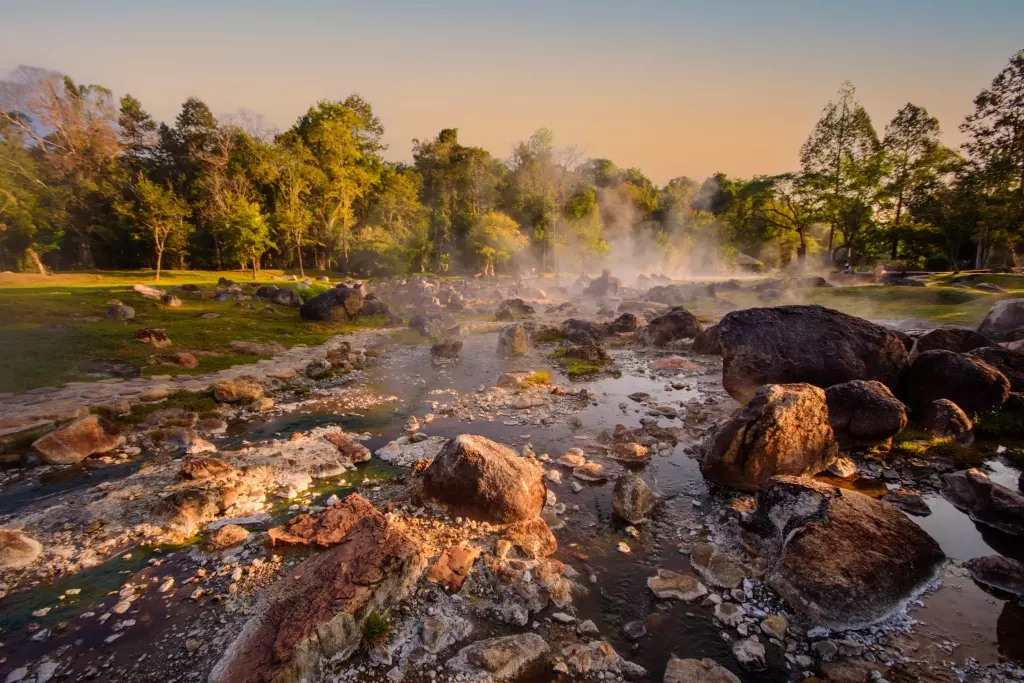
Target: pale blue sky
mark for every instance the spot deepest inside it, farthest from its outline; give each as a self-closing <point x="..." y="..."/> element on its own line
<point x="672" y="87"/>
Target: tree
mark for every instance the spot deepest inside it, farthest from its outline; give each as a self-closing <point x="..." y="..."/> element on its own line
<point x="495" y="237"/>
<point x="137" y="132"/>
<point x="248" y="231"/>
<point x="73" y="128"/>
<point x="995" y="143"/>
<point x="914" y="156"/>
<point x="343" y="139"/>
<point x="288" y="170"/>
<point x="788" y="203"/>
<point x="842" y="140"/>
<point x="159" y="213"/>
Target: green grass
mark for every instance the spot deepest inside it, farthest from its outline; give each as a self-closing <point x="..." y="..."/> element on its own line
<point x="375" y="630"/>
<point x="202" y="404"/>
<point x="576" y="367"/>
<point x="538" y="378"/>
<point x="52" y="324"/>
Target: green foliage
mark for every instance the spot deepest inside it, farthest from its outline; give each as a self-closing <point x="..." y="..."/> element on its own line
<point x="495" y="238"/>
<point x="375" y="630"/>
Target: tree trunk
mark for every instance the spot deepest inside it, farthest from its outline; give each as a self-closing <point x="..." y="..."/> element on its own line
<point x="159" y="260"/>
<point x="216" y="251"/>
<point x="298" y="252"/>
<point x="34" y="257"/>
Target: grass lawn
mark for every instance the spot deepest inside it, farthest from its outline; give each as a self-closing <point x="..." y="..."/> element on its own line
<point x="48" y="325"/>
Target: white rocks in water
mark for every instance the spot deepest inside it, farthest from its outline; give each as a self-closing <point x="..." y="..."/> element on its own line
<point x="403" y="451"/>
<point x="775" y="626"/>
<point x="197" y="445"/>
<point x="554" y="476"/>
<point x="166" y="585"/>
<point x="673" y="585"/>
<point x="729" y="613"/>
<point x="623" y="548"/>
<point x="563" y="618"/>
<point x="588" y="628"/>
<point x="750" y="653"/>
<point x="17" y="675"/>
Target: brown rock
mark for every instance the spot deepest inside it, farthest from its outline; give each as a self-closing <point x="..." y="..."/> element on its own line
<point x="186" y="509"/>
<point x="237" y="391"/>
<point x="715" y="567"/>
<point x="485" y="480"/>
<point x="513" y="340"/>
<point x="454" y="565"/>
<point x="966" y="380"/>
<point x="944" y="419"/>
<point x="180" y="359"/>
<point x="532" y="536"/>
<point x="834" y="546"/>
<point x="630" y="452"/>
<point x="352" y="451"/>
<point x="956" y="339"/>
<point x="673" y="585"/>
<point x="697" y="671"/>
<point x="632" y="498"/>
<point x="809" y="344"/>
<point x="325" y="528"/>
<point x="985" y="501"/>
<point x="78" y="440"/>
<point x="784" y="429"/>
<point x="153" y="336"/>
<point x="315" y="612"/>
<point x="199" y="467"/>
<point x="864" y="412"/>
<point x="225" y="537"/>
<point x="17" y="550"/>
<point x="1006" y="361"/>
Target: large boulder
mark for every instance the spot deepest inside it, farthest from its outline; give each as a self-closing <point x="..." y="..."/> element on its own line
<point x="17" y="550"/>
<point x="1002" y="319"/>
<point x="316" y="611"/>
<point x="842" y="559"/>
<point x="1006" y="361"/>
<point x="958" y="339"/>
<point x="624" y="324"/>
<point x="286" y="296"/>
<point x="707" y="342"/>
<point x="677" y="324"/>
<point x="784" y="429"/>
<point x="998" y="572"/>
<point x="632" y="498"/>
<point x="985" y="501"/>
<point x="340" y="304"/>
<point x="864" y="412"/>
<point x="944" y="419"/>
<point x="485" y="480"/>
<point x="966" y="380"/>
<point x="77" y="441"/>
<point x="606" y="285"/>
<point x="513" y="340"/>
<point x="809" y="344"/>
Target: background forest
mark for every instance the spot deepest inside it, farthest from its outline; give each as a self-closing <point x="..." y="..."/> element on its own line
<point x="91" y="181"/>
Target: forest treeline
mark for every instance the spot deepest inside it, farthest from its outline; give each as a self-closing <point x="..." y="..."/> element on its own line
<point x="91" y="181"/>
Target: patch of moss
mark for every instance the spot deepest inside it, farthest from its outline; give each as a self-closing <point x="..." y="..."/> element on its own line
<point x="202" y="404"/>
<point x="557" y="353"/>
<point x="538" y="378"/>
<point x="999" y="423"/>
<point x="576" y="367"/>
<point x="548" y="337"/>
<point x="407" y="337"/>
<point x="375" y="630"/>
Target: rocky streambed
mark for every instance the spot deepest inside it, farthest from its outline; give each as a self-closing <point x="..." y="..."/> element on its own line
<point x="353" y="531"/>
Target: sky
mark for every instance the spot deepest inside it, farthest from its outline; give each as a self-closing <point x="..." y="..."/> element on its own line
<point x="674" y="88"/>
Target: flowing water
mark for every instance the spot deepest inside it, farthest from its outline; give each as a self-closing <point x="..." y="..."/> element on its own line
<point x="588" y="533"/>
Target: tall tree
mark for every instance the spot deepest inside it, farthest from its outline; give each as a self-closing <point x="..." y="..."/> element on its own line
<point x="995" y="143"/>
<point x="914" y="156"/>
<point x="343" y="139"/>
<point x="842" y="140"/>
<point x="248" y="231"/>
<point x="159" y="214"/>
<point x="495" y="238"/>
<point x="137" y="131"/>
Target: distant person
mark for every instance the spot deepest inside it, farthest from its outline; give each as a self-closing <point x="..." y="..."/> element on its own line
<point x="847" y="269"/>
<point x="879" y="273"/>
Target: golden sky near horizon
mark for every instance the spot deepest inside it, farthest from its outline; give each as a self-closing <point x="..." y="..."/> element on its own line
<point x="672" y="88"/>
